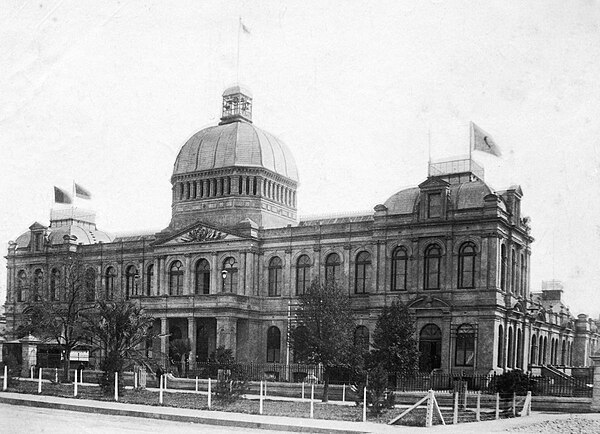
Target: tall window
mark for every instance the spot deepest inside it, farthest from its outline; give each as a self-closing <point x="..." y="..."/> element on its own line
<point x="434" y="205"/>
<point x="38" y="283"/>
<point x="399" y="269"/>
<point x="176" y="278"/>
<point x="131" y="276"/>
<point x="21" y="285"/>
<point x="513" y="272"/>
<point x="534" y="343"/>
<point x="500" y="346"/>
<point x="465" y="345"/>
<point x="519" y="349"/>
<point x="523" y="274"/>
<point x="511" y="348"/>
<point x="433" y="257"/>
<point x="300" y="344"/>
<point x="54" y="284"/>
<point x="110" y="282"/>
<point x="503" y="263"/>
<point x="466" y="266"/>
<point x="275" y="278"/>
<point x="273" y="345"/>
<point x="230" y="282"/>
<point x="332" y="268"/>
<point x="302" y="274"/>
<point x="430" y="347"/>
<point x="202" y="277"/>
<point x="90" y="284"/>
<point x="149" y="279"/>
<point x="361" y="339"/>
<point x="362" y="274"/>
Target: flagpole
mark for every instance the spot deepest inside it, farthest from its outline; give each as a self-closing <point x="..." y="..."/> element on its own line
<point x="471" y="141"/>
<point x="238" y="51"/>
<point x="429" y="150"/>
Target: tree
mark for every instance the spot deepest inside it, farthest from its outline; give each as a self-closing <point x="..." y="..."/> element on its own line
<point x="394" y="345"/>
<point x="121" y="329"/>
<point x="232" y="381"/>
<point x="58" y="313"/>
<point x="325" y="328"/>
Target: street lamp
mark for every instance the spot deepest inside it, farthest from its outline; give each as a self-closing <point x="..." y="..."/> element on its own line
<point x="224" y="276"/>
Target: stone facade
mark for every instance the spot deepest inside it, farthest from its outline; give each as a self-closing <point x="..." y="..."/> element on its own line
<point x="230" y="266"/>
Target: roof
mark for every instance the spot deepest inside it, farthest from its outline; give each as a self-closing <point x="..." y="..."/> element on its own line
<point x="85" y="233"/>
<point x="238" y="144"/>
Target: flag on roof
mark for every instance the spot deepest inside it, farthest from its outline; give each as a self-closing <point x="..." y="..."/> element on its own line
<point x="244" y="28"/>
<point x="61" y="196"/>
<point x="81" y="192"/>
<point x="482" y="141"/>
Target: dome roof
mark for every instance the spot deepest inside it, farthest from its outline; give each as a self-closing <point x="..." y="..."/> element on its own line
<point x="462" y="196"/>
<point x="235" y="144"/>
<point x="85" y="235"/>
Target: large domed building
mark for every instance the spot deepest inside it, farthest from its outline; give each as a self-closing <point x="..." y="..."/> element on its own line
<point x="230" y="265"/>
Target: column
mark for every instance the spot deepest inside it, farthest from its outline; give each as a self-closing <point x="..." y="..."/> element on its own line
<point x="348" y="279"/>
<point x="162" y="276"/>
<point x="192" y="338"/>
<point x="242" y="274"/>
<point x="187" y="280"/>
<point x="287" y="275"/>
<point x="155" y="288"/>
<point x="29" y="354"/>
<point x="164" y="331"/>
<point x="595" y="406"/>
<point x="249" y="273"/>
<point x="214" y="274"/>
<point x="226" y="332"/>
<point x="316" y="268"/>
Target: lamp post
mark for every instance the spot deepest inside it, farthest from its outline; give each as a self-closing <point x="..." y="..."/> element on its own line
<point x="166" y="333"/>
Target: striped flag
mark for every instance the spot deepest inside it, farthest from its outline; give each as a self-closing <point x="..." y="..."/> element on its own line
<point x="61" y="196"/>
<point x="81" y="192"/>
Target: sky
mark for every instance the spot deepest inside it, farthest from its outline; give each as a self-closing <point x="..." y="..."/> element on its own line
<point x="106" y="93"/>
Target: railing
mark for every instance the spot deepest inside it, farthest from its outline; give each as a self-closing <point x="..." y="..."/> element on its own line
<point x="456" y="166"/>
<point x="292" y="373"/>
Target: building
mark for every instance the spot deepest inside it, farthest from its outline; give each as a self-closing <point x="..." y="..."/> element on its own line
<point x="229" y="267"/>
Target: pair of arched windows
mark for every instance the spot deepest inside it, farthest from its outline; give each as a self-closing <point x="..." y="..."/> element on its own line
<point x="466" y="266"/>
<point x="176" y="275"/>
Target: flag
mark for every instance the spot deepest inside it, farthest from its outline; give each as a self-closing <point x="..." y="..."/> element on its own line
<point x="244" y="28"/>
<point x="482" y="141"/>
<point x="82" y="192"/>
<point x="61" y="196"/>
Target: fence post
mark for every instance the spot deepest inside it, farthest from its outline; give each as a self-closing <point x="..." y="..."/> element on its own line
<point x="5" y="380"/>
<point x="303" y="391"/>
<point x="265" y="389"/>
<point x="478" y="411"/>
<point x="344" y="392"/>
<point x="56" y="375"/>
<point x="75" y="385"/>
<point x="497" y="406"/>
<point x="31" y="371"/>
<point x="165" y="383"/>
<point x="514" y="404"/>
<point x="455" y="417"/>
<point x="40" y="381"/>
<point x="260" y="398"/>
<point x="160" y="390"/>
<point x="135" y="381"/>
<point x="196" y="383"/>
<point x="209" y="394"/>
<point x="365" y="404"/>
<point x="312" y="400"/>
<point x="429" y="416"/>
<point x="116" y="386"/>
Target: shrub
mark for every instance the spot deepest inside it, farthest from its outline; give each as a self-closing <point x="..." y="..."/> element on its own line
<point x="515" y="381"/>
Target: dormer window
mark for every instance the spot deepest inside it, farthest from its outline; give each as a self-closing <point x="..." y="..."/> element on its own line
<point x="434" y="205"/>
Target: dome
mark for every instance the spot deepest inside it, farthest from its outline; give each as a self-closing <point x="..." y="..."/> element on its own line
<point x="403" y="202"/>
<point x="85" y="235"/>
<point x="235" y="144"/>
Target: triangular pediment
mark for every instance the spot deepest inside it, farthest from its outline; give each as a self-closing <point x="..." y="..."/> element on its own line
<point x="199" y="233"/>
<point x="432" y="183"/>
<point x="429" y="302"/>
<point x="37" y="226"/>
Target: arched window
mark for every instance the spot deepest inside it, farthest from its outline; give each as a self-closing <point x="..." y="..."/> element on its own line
<point x="511" y="348"/>
<point x="176" y="278"/>
<point x="465" y="345"/>
<point x="513" y="272"/>
<point x="361" y="339"/>
<point x="38" y="284"/>
<point x="275" y="278"/>
<point x="563" y="353"/>
<point x="500" y="346"/>
<point x="399" y="269"/>
<point x="273" y="345"/>
<point x="300" y="344"/>
<point x="503" y="262"/>
<point x="430" y="347"/>
<point x="21" y="285"/>
<point x="332" y="267"/>
<point x="302" y="274"/>
<point x="362" y="276"/>
<point x="230" y="282"/>
<point x="519" y="348"/>
<point x="90" y="284"/>
<point x="542" y="355"/>
<point x="110" y="282"/>
<point x="149" y="279"/>
<point x="202" y="277"/>
<point x="54" y="284"/>
<point x="533" y="356"/>
<point x="433" y="257"/>
<point x="131" y="276"/>
<point x="522" y="289"/>
<point x="466" y="266"/>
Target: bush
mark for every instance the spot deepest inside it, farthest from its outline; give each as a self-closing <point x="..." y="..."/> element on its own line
<point x="232" y="382"/>
<point x="513" y="382"/>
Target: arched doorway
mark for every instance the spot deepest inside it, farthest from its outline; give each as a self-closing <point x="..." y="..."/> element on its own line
<point x="430" y="346"/>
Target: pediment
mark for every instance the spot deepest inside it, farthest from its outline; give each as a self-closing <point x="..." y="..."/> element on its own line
<point x="433" y="183"/>
<point x="199" y="233"/>
<point x="429" y="303"/>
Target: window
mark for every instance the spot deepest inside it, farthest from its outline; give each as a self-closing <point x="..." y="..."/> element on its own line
<point x="38" y="242"/>
<point x="332" y="268"/>
<point x="302" y="274"/>
<point x="399" y="269"/>
<point x="466" y="266"/>
<point x="513" y="272"/>
<point x="430" y="347"/>
<point x="38" y="282"/>
<point x="275" y="270"/>
<point x="533" y="356"/>
<point x="523" y="274"/>
<point x="300" y="344"/>
<point x="511" y="348"/>
<point x="434" y="205"/>
<point x="90" y="284"/>
<point x="176" y="278"/>
<point x="519" y="348"/>
<point x="54" y="283"/>
<point x="362" y="275"/>
<point x="273" y="345"/>
<point x="361" y="339"/>
<point x="149" y="279"/>
<point x="131" y="276"/>
<point x="202" y="277"/>
<point x="21" y="285"/>
<point x="230" y="282"/>
<point x="110" y="282"/>
<point x="500" y="346"/>
<point x="503" y="264"/>
<point x="433" y="256"/>
<point x="465" y="345"/>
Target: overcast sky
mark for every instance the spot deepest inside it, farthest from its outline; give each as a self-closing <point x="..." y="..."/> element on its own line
<point x="106" y="93"/>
